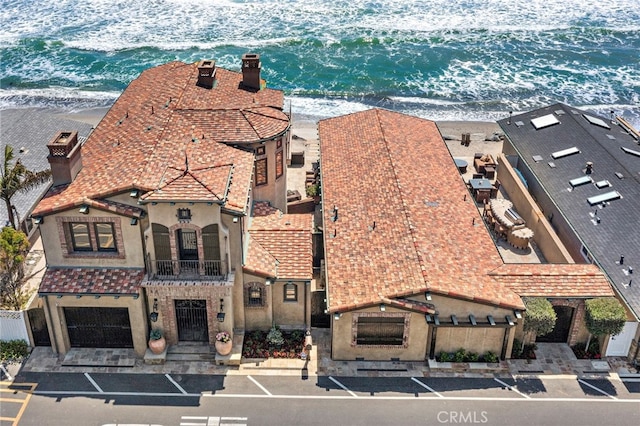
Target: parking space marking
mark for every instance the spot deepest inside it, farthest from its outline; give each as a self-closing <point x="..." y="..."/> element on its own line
<point x="175" y="383"/>
<point x="427" y="387"/>
<point x="597" y="389"/>
<point x="213" y="421"/>
<point x="511" y="388"/>
<point x="93" y="382"/>
<point x="259" y="385"/>
<point x="343" y="387"/>
<point x="24" y="402"/>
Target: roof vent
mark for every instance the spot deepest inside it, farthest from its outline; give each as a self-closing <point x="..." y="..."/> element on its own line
<point x="206" y="73"/>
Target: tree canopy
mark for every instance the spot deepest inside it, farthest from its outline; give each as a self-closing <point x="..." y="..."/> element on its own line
<point x="605" y="316"/>
<point x="14" y="247"/>
<point x="540" y="316"/>
<point x="14" y="178"/>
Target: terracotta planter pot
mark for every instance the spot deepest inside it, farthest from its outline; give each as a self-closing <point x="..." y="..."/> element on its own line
<point x="158" y="346"/>
<point x="224" y="348"/>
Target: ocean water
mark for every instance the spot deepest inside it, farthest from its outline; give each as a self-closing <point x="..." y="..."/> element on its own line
<point x="437" y="59"/>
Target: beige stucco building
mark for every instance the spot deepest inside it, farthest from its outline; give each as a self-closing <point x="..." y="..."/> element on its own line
<point x="411" y="268"/>
<point x="162" y="218"/>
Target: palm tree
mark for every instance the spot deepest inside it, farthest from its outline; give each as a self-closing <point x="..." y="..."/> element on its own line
<point x="16" y="178"/>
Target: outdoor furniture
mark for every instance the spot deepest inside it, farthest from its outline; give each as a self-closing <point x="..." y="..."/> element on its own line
<point x="293" y="195"/>
<point x="486" y="160"/>
<point x="481" y="189"/>
<point x="461" y="165"/>
<point x="519" y="237"/>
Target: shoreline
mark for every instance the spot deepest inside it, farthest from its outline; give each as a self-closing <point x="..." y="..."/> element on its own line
<point x="303" y="127"/>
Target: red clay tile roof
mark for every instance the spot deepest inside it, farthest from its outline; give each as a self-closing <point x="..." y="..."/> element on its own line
<point x="280" y="244"/>
<point x="557" y="280"/>
<point x="91" y="281"/>
<point x="163" y="117"/>
<point x="405" y="216"/>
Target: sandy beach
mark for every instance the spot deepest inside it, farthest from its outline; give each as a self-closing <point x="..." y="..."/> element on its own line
<point x="305" y="127"/>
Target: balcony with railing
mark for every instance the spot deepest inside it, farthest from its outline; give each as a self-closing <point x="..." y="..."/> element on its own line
<point x="202" y="270"/>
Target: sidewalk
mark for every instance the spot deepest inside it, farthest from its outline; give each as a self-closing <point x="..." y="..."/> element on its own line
<point x="549" y="362"/>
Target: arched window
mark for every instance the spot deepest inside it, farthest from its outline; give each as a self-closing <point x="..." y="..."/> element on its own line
<point x="290" y="292"/>
<point x="254" y="295"/>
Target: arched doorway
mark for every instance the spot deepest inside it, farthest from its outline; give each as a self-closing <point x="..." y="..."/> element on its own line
<point x="560" y="333"/>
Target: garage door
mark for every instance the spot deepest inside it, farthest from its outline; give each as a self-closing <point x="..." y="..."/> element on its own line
<point x="99" y="327"/>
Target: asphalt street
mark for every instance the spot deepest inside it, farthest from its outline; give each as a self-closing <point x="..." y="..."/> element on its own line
<point x="200" y="400"/>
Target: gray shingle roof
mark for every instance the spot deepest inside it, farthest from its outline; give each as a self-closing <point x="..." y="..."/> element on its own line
<point x="32" y="129"/>
<point x="601" y="142"/>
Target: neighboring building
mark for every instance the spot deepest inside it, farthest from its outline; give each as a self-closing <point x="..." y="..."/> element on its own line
<point x="584" y="173"/>
<point x="28" y="131"/>
<point x="148" y="224"/>
<point x="411" y="269"/>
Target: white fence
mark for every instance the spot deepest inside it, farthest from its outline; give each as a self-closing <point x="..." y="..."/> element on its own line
<point x="13" y="325"/>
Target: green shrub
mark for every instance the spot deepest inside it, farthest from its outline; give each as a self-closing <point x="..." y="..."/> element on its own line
<point x="274" y="337"/>
<point x="458" y="356"/>
<point x="540" y="317"/>
<point x="13" y="350"/>
<point x="471" y="357"/>
<point x="155" y="334"/>
<point x="444" y="357"/>
<point x="516" y="350"/>
<point x="604" y="316"/>
<point x="490" y="357"/>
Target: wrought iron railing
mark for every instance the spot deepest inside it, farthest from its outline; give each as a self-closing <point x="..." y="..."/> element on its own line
<point x="188" y="269"/>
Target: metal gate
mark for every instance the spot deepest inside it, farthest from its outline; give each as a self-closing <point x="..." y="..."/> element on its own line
<point x="99" y="327"/>
<point x="319" y="318"/>
<point x="191" y="317"/>
<point x="39" y="329"/>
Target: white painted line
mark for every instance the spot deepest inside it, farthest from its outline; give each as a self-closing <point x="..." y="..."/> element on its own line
<point x="93" y="382"/>
<point x="259" y="385"/>
<point x="234" y="419"/>
<point x="311" y="397"/>
<point x="213" y="421"/>
<point x="511" y="388"/>
<point x="596" y="389"/>
<point x="194" y="417"/>
<point x="427" y="387"/>
<point x="175" y="384"/>
<point x="343" y="387"/>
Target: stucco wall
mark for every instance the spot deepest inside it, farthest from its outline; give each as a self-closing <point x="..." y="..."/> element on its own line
<point x="58" y="327"/>
<point x="478" y="338"/>
<point x="290" y="314"/>
<point x="545" y="236"/>
<point x="275" y="191"/>
<point x="60" y="253"/>
<point x="257" y="317"/>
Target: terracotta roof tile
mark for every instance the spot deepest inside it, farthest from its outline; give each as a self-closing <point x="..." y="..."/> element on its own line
<point x="557" y="280"/>
<point x="91" y="281"/>
<point x="163" y="117"/>
<point x="405" y="216"/>
<point x="285" y="238"/>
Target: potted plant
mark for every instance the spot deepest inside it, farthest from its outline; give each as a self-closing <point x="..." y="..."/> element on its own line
<point x="224" y="343"/>
<point x="157" y="342"/>
<point x="313" y="191"/>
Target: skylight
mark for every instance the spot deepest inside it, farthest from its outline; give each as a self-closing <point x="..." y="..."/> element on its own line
<point x="565" y="152"/>
<point x="630" y="151"/>
<point x="580" y="181"/>
<point x="544" y="121"/>
<point x="609" y="196"/>
<point x="596" y="121"/>
<point x="603" y="184"/>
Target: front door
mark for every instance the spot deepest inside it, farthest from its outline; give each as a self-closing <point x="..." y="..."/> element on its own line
<point x="191" y="318"/>
<point x="560" y="333"/>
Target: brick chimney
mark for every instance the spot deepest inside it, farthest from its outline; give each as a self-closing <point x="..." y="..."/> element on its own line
<point x="206" y="73"/>
<point x="251" y="70"/>
<point x="64" y="157"/>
